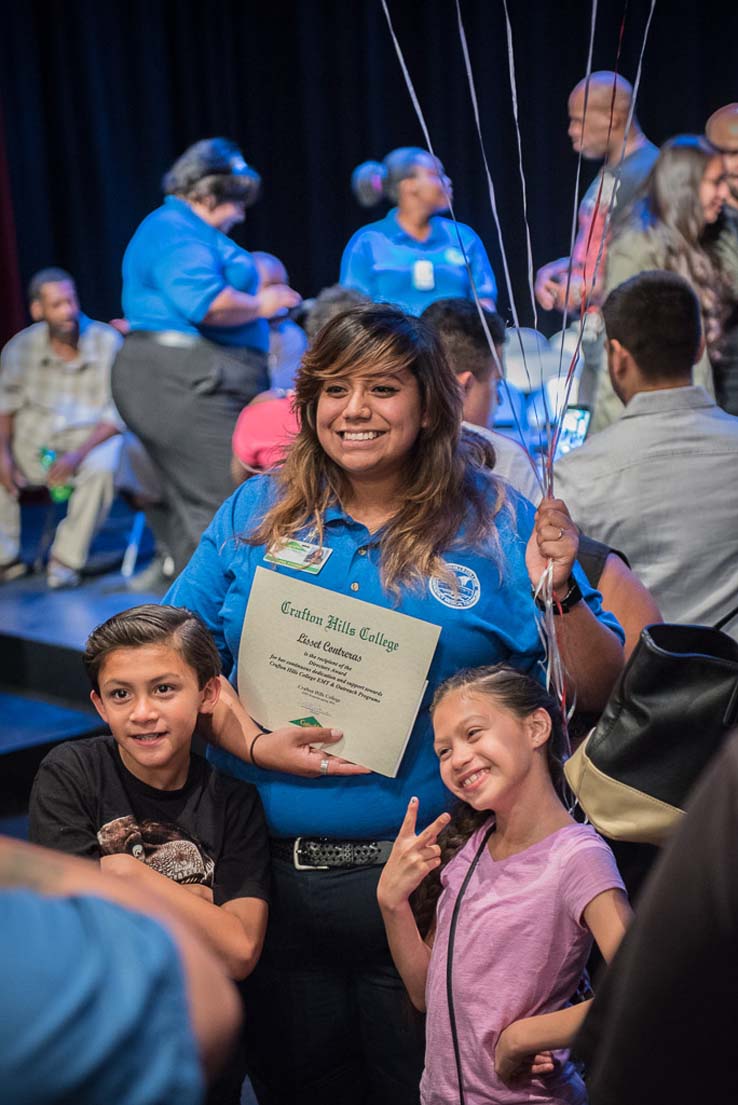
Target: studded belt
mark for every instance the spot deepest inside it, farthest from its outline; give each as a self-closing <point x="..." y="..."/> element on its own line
<point x="320" y="853"/>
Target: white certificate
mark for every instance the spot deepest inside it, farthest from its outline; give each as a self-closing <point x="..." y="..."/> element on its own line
<point x="309" y="656"/>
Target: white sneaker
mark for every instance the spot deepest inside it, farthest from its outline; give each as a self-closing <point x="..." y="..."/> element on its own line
<point x="59" y="575"/>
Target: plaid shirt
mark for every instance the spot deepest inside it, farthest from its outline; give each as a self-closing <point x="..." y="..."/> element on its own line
<point x="48" y="395"/>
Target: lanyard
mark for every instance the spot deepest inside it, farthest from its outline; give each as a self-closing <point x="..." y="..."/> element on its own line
<point x="450" y="956"/>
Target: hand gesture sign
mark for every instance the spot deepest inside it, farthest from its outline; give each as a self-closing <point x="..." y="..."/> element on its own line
<point x="411" y="859"/>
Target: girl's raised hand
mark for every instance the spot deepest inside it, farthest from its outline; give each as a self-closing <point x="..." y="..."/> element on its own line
<point x="411" y="859"/>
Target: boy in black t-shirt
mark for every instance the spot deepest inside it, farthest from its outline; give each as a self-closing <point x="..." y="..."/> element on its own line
<point x="141" y="802"/>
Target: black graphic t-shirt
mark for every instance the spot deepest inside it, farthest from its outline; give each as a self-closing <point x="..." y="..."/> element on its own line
<point x="211" y="831"/>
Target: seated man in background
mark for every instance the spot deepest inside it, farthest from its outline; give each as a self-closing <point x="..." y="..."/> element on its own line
<point x="56" y="404"/>
<point x="479" y="372"/>
<point x="106" y="995"/>
<point x="287" y="340"/>
<point x="660" y="482"/>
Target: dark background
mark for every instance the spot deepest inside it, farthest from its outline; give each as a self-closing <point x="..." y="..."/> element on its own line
<point x="99" y="98"/>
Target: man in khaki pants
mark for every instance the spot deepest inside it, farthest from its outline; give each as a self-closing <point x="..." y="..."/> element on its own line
<point x="55" y="395"/>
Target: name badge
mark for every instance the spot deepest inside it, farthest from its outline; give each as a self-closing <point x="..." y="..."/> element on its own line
<point x="424" y="279"/>
<point x="300" y="555"/>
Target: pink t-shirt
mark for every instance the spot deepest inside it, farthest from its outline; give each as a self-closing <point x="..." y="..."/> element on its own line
<point x="264" y="431"/>
<point x="519" y="950"/>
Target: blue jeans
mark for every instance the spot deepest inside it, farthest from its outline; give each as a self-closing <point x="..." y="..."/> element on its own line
<point x="328" y="1020"/>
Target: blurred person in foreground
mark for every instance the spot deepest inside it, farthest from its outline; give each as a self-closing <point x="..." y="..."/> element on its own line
<point x="107" y="995"/>
<point x="660" y="1031"/>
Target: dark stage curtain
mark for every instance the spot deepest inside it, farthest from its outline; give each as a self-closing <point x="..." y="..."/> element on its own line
<point x="99" y="98"/>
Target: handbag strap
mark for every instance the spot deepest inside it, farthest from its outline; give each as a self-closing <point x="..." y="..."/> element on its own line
<point x="450" y="958"/>
<point x="726" y="618"/>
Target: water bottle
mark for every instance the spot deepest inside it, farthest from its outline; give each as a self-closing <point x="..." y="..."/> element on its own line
<point x="61" y="492"/>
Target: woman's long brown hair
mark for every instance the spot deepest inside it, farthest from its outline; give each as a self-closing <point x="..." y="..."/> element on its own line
<point x="443" y="495"/>
<point x="522" y="695"/>
<point x="674" y="221"/>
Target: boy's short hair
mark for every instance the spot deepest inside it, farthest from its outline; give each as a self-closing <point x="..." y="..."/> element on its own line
<point x="152" y="624"/>
<point x="458" y="325"/>
<point x="656" y="316"/>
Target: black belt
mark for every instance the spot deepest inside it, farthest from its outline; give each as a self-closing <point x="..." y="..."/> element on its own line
<point x="176" y="339"/>
<point x="310" y="853"/>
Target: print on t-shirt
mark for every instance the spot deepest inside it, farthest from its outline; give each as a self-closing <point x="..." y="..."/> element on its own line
<point x="161" y="845"/>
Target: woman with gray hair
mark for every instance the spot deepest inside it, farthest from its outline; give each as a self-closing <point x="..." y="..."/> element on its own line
<point x="413" y="256"/>
<point x="197" y="350"/>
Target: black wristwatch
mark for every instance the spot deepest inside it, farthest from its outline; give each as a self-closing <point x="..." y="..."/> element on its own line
<point x="564" y="605"/>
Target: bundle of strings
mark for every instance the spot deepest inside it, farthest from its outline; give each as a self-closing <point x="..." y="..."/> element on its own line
<point x="556" y="676"/>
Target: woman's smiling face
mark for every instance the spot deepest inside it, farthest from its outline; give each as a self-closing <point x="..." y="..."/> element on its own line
<point x="368" y="423"/>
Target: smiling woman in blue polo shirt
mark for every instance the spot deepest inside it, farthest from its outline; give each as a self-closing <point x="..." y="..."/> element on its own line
<point x="381" y="474"/>
<point x="412" y="256"/>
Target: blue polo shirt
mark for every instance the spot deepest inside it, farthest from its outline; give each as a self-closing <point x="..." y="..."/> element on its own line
<point x="489" y="620"/>
<point x="174" y="267"/>
<point x="384" y="262"/>
<point x="93" y="1006"/>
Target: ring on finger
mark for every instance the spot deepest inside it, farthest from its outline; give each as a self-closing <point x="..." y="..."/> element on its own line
<point x="561" y="534"/>
<point x="324" y="765"/>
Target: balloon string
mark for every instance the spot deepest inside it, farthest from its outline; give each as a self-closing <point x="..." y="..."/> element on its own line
<point x="588" y="292"/>
<point x="498" y="225"/>
<point x="472" y="282"/>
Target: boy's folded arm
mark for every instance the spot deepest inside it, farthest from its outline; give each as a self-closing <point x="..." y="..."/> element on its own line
<point x="234" y="931"/>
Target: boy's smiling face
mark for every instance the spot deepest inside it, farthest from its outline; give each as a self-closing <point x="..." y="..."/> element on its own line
<point x="150" y="698"/>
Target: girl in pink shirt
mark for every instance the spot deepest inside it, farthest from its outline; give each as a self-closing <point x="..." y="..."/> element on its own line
<point x="522" y="887"/>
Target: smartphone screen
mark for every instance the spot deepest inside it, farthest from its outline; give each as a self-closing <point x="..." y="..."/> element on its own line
<point x="574" y="426"/>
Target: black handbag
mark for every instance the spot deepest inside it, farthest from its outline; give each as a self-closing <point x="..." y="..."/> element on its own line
<point x="668" y="714"/>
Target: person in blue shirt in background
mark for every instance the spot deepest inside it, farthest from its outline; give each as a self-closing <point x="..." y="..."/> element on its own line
<point x="413" y="255"/>
<point x="382" y="476"/>
<point x="197" y="349"/>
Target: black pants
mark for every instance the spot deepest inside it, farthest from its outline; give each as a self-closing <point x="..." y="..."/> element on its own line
<point x="328" y="1021"/>
<point x="183" y="404"/>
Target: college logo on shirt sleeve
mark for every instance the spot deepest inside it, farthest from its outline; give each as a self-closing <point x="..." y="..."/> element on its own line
<point x="454" y="256"/>
<point x="467" y="590"/>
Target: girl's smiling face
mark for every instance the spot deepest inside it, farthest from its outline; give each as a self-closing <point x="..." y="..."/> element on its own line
<point x="485" y="751"/>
